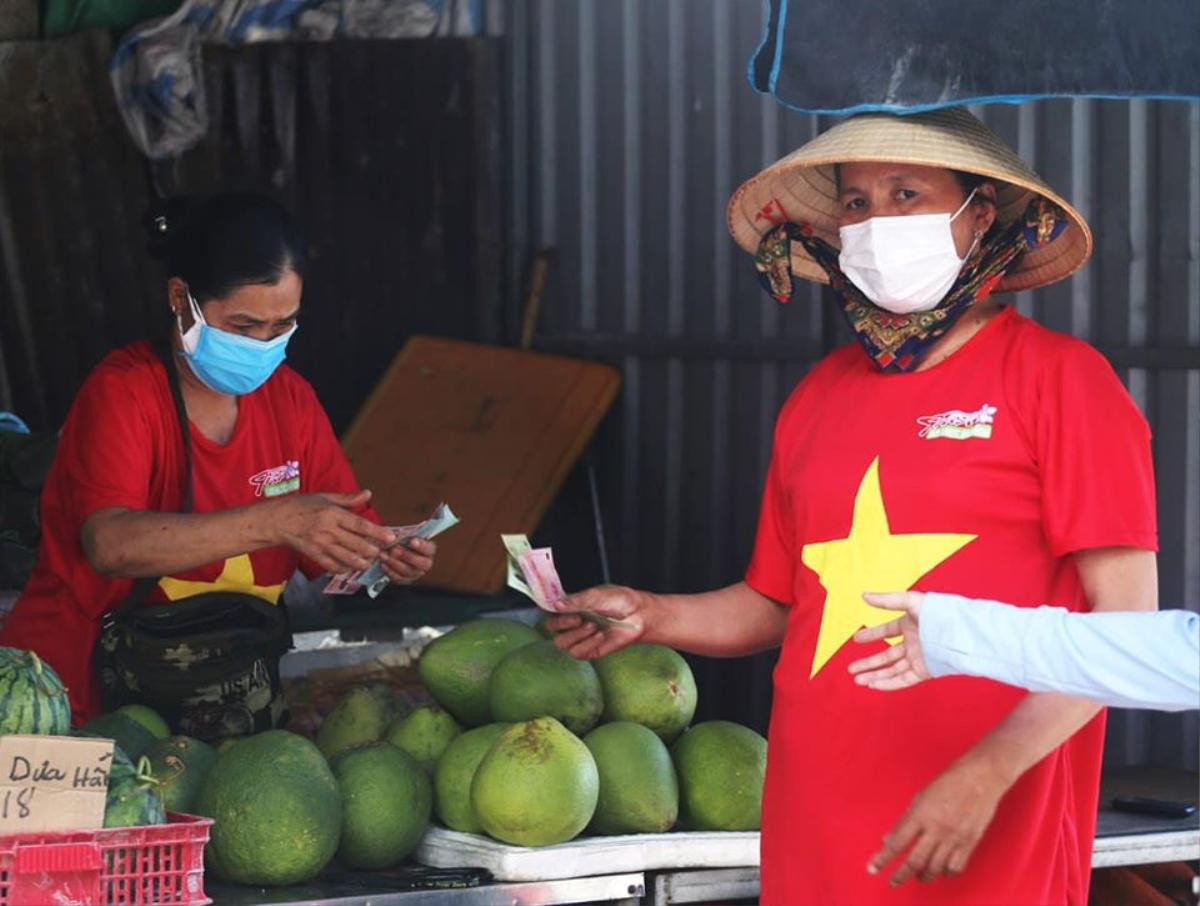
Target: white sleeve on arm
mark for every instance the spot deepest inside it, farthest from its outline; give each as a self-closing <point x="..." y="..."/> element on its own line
<point x="1126" y="660"/>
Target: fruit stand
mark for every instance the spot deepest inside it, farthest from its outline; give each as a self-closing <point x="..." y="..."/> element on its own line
<point x="477" y="763"/>
<point x="420" y="808"/>
<point x="598" y="876"/>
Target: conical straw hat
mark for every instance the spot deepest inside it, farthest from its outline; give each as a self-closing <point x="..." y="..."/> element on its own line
<point x="801" y="187"/>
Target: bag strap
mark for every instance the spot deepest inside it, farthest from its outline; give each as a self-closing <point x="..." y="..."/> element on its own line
<point x="165" y="355"/>
<point x="142" y="587"/>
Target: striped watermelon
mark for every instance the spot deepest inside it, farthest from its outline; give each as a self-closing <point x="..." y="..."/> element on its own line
<point x="32" y="697"/>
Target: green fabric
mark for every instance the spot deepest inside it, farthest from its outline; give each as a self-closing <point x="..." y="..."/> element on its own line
<point x="62" y="17"/>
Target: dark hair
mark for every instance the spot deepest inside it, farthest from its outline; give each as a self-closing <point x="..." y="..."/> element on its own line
<point x="969" y="182"/>
<point x="217" y="243"/>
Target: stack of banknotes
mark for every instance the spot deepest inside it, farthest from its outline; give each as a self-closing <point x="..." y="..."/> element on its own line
<point x="373" y="577"/>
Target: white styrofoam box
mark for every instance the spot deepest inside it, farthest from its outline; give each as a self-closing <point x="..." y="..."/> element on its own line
<point x="588" y="856"/>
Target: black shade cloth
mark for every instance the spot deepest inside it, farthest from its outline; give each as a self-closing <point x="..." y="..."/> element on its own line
<point x="830" y="56"/>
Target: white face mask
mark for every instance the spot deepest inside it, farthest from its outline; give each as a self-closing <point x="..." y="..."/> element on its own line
<point x="906" y="263"/>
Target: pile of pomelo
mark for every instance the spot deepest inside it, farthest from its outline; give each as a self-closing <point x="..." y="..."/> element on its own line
<point x="524" y="743"/>
<point x="560" y="746"/>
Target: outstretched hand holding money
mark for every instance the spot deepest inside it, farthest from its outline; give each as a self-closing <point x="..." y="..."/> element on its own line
<point x="531" y="571"/>
<point x="623" y="612"/>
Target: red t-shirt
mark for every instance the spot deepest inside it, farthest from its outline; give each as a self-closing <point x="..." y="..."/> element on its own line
<point x="978" y="477"/>
<point x="121" y="447"/>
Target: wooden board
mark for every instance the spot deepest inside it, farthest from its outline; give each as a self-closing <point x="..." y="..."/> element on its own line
<point x="492" y="431"/>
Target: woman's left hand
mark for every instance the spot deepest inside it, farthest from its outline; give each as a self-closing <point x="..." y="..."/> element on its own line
<point x="406" y="563"/>
<point x="944" y="823"/>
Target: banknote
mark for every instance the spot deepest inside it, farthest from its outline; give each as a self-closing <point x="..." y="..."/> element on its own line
<point x="373" y="578"/>
<point x="537" y="566"/>
<point x="531" y="571"/>
<point x="516" y="545"/>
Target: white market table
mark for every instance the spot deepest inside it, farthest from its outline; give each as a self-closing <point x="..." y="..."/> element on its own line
<point x="628" y="888"/>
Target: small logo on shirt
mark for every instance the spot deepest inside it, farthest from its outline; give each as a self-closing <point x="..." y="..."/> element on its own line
<point x="958" y="425"/>
<point x="280" y="480"/>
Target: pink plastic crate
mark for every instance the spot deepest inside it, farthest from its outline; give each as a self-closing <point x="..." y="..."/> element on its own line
<point x="120" y="866"/>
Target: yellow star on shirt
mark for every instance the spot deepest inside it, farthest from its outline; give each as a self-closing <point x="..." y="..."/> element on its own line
<point x="870" y="558"/>
<point x="236" y="575"/>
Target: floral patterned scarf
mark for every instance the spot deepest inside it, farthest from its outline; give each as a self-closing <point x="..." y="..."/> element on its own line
<point x="897" y="343"/>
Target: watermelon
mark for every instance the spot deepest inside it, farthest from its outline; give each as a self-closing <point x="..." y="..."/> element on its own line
<point x="134" y="799"/>
<point x="148" y="718"/>
<point x="32" y="697"/>
<point x="133" y="738"/>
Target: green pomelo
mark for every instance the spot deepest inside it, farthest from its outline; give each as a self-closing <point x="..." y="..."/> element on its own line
<point x="180" y="764"/>
<point x="228" y="743"/>
<point x="362" y="716"/>
<point x="638" y="790"/>
<point x="148" y="718"/>
<point x="720" y="766"/>
<point x="536" y="786"/>
<point x="424" y="734"/>
<point x="454" y="773"/>
<point x="386" y="804"/>
<point x="456" y="668"/>
<point x="391" y="699"/>
<point x="277" y="808"/>
<point x="133" y="738"/>
<point x="651" y="685"/>
<point x="541" y="681"/>
<point x="32" y="697"/>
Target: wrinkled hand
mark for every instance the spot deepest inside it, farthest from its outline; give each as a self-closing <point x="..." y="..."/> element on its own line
<point x="323" y="528"/>
<point x="943" y="825"/>
<point x="404" y="564"/>
<point x="588" y="640"/>
<point x="903" y="664"/>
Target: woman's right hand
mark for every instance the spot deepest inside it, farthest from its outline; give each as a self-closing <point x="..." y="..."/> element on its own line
<point x="324" y="528"/>
<point x="588" y="639"/>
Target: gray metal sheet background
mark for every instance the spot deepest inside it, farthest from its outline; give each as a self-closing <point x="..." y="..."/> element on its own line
<point x="398" y="190"/>
<point x="631" y="123"/>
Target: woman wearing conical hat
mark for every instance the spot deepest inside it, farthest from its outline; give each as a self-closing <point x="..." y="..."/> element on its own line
<point x="956" y="446"/>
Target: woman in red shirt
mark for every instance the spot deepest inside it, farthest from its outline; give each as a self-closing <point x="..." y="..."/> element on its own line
<point x="271" y="490"/>
<point x="955" y="446"/>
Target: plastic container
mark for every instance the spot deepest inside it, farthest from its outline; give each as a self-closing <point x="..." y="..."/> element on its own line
<point x="587" y="856"/>
<point x="119" y="866"/>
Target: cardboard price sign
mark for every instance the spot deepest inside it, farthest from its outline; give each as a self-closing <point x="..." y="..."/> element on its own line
<point x="53" y="783"/>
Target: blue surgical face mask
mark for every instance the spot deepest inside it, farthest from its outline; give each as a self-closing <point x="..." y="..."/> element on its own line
<point x="228" y="362"/>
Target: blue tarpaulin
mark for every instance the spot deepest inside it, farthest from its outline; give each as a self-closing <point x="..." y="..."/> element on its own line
<point x="834" y="56"/>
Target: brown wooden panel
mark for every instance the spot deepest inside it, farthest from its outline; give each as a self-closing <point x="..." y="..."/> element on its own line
<point x="492" y="431"/>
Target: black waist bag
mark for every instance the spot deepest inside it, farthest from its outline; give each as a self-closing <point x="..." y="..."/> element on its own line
<point x="209" y="663"/>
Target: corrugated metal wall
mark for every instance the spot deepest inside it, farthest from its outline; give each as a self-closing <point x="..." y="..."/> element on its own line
<point x="73" y="281"/>
<point x="398" y="191"/>
<point x="631" y="123"/>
